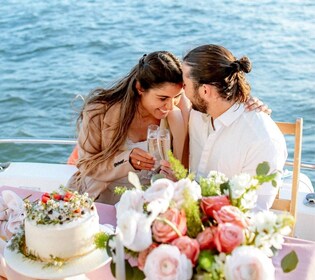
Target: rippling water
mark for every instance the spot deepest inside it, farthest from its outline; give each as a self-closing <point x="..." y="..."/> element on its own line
<point x="50" y="51"/>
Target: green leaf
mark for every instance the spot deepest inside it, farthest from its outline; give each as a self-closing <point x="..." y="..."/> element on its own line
<point x="110" y="252"/>
<point x="289" y="262"/>
<point x="206" y="260"/>
<point x="263" y="168"/>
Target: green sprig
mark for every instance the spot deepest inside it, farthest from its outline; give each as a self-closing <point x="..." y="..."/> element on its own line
<point x="192" y="211"/>
<point x="100" y="240"/>
<point x="180" y="171"/>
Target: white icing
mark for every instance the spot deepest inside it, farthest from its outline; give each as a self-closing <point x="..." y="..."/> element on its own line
<point x="67" y="240"/>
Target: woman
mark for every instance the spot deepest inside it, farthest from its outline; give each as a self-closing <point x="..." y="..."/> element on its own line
<point x="113" y="126"/>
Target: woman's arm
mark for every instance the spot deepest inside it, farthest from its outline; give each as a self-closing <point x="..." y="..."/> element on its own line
<point x="91" y="142"/>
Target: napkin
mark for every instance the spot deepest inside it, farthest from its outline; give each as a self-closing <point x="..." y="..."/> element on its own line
<point x="12" y="213"/>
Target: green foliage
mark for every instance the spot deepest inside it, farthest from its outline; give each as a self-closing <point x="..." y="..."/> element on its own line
<point x="208" y="187"/>
<point x="192" y="211"/>
<point x="100" y="240"/>
<point x="289" y="262"/>
<point x="263" y="168"/>
<point x="207" y="267"/>
<point x="180" y="171"/>
<point x="120" y="190"/>
<point x="262" y="176"/>
<point x="206" y="260"/>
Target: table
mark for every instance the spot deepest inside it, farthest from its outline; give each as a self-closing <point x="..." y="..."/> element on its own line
<point x="304" y="249"/>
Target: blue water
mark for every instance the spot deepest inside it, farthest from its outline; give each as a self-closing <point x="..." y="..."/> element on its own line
<point x="50" y="51"/>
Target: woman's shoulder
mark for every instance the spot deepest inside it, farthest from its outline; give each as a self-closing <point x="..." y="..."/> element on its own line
<point x="102" y="108"/>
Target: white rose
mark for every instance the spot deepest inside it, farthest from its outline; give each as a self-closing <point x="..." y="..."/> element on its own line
<point x="167" y="263"/>
<point x="192" y="187"/>
<point x="160" y="189"/>
<point x="130" y="200"/>
<point x="156" y="207"/>
<point x="135" y="229"/>
<point x="159" y="195"/>
<point x="248" y="263"/>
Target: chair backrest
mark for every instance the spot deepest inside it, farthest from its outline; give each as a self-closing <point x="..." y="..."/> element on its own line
<point x="296" y="129"/>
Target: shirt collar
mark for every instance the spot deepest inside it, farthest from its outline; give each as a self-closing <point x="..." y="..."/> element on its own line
<point x="228" y="117"/>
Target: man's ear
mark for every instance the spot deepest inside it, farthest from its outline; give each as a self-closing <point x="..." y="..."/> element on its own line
<point x="207" y="92"/>
<point x="139" y="88"/>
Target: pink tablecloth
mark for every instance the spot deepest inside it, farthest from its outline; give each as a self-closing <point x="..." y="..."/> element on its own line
<point x="304" y="249"/>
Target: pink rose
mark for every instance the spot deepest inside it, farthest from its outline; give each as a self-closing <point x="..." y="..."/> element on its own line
<point x="228" y="237"/>
<point x="213" y="203"/>
<point x="206" y="238"/>
<point x="143" y="255"/>
<point x="167" y="262"/>
<point x="162" y="232"/>
<point x="189" y="247"/>
<point x="230" y="214"/>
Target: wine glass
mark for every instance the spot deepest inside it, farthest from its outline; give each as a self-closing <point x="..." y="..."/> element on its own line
<point x="152" y="140"/>
<point x="159" y="144"/>
<point x="164" y="142"/>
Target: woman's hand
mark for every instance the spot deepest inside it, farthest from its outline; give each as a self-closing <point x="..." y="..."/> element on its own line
<point x="254" y="103"/>
<point x="167" y="171"/>
<point x="141" y="160"/>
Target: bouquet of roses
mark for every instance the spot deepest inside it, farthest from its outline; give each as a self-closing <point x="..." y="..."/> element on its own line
<point x="189" y="230"/>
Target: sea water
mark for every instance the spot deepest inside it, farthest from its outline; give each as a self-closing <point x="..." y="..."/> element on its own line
<point x="53" y="51"/>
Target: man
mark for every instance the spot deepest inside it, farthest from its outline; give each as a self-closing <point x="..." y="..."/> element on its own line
<point x="223" y="136"/>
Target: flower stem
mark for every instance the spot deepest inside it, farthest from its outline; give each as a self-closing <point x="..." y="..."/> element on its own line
<point x="169" y="223"/>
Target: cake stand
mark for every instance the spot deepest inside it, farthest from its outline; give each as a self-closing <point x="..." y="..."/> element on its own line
<point x="78" y="266"/>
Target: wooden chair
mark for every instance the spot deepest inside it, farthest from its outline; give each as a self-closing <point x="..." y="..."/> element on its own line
<point x="296" y="129"/>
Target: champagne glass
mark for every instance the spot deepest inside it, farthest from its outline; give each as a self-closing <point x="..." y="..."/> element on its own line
<point x="152" y="140"/>
<point x="164" y="142"/>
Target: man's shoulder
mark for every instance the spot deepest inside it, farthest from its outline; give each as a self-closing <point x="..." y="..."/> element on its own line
<point x="261" y="125"/>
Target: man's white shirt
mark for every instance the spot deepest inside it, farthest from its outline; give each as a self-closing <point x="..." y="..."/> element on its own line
<point x="236" y="143"/>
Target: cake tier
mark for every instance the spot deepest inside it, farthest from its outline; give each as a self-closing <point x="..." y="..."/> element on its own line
<point x="68" y="240"/>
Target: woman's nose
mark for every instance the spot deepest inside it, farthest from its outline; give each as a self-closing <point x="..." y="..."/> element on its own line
<point x="170" y="104"/>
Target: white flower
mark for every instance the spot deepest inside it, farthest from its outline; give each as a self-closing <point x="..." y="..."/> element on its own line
<point x="265" y="221"/>
<point x="249" y="200"/>
<point x="130" y="200"/>
<point x="239" y="184"/>
<point x="269" y="233"/>
<point x="156" y="207"/>
<point x="160" y="189"/>
<point x="217" y="178"/>
<point x="135" y="228"/>
<point x="247" y="263"/>
<point x="167" y="263"/>
<point x="192" y="187"/>
<point x="159" y="196"/>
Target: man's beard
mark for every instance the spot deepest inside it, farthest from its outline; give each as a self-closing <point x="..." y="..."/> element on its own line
<point x="199" y="104"/>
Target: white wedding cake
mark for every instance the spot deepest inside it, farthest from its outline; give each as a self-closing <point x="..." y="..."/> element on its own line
<point x="61" y="225"/>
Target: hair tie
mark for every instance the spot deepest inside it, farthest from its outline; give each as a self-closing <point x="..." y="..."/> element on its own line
<point x="236" y="65"/>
